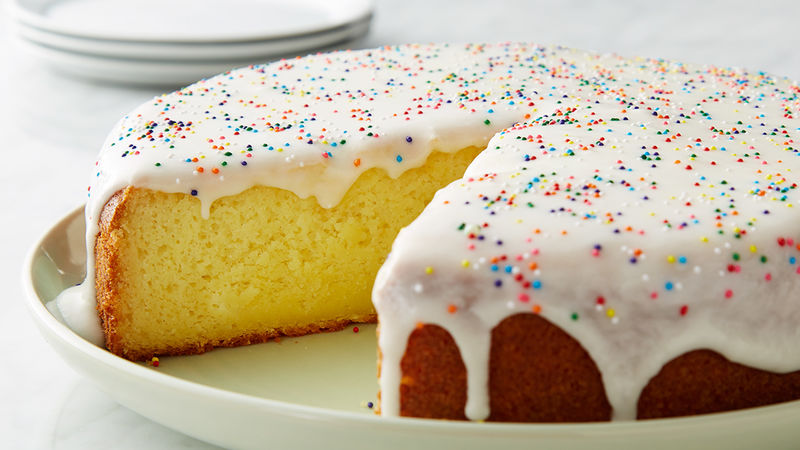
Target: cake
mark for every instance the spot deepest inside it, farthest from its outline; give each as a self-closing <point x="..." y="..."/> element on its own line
<point x="632" y="217"/>
<point x="598" y="275"/>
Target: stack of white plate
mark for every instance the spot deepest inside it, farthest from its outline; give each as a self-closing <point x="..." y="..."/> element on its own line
<point x="179" y="41"/>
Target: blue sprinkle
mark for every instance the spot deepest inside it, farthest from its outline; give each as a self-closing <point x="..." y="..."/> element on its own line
<point x="399" y="158"/>
<point x="494" y="268"/>
<point x="682" y="260"/>
<point x="537" y="284"/>
<point x="508" y="269"/>
<point x="668" y="285"/>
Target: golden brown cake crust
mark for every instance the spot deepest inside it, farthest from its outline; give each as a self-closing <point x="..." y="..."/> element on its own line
<point x="434" y="382"/>
<point x="538" y="373"/>
<point x="703" y="381"/>
<point x="106" y="269"/>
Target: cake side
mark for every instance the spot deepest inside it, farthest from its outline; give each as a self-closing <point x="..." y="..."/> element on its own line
<point x="265" y="263"/>
<point x="703" y="382"/>
<point x="538" y="373"/>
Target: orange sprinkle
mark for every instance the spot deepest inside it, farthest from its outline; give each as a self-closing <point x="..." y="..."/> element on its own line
<point x="200" y="169"/>
<point x="533" y="266"/>
<point x="536" y="309"/>
<point x="357" y="162"/>
<point x="215" y="170"/>
<point x="451" y="308"/>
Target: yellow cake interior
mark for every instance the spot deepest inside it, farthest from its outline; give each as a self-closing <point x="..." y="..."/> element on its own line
<point x="264" y="263"/>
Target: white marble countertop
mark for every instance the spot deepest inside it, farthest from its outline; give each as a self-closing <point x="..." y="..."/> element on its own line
<point x="51" y="127"/>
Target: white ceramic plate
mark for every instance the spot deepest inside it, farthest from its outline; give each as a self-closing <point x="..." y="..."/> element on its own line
<point x="196" y="21"/>
<point x="152" y="72"/>
<point x="192" y="52"/>
<point x="308" y="392"/>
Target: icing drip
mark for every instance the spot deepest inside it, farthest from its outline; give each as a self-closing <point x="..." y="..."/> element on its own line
<point x="645" y="207"/>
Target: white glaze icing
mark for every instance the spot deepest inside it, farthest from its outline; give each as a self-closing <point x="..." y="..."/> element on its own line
<point x="313" y="124"/>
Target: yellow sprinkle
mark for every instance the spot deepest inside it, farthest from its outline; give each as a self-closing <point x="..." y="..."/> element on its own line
<point x="610" y="312"/>
<point x="704" y="239"/>
<point x="465" y="263"/>
<point x="670" y="259"/>
<point x="429" y="270"/>
<point x="752" y="249"/>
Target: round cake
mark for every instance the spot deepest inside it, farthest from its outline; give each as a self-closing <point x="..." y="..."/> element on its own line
<point x="623" y="245"/>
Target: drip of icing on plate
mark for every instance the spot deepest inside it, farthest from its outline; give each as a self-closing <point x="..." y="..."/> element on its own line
<point x="665" y="189"/>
